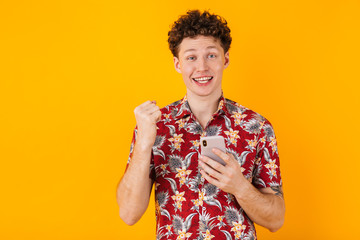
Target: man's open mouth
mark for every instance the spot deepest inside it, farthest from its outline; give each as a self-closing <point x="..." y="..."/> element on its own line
<point x="202" y="79"/>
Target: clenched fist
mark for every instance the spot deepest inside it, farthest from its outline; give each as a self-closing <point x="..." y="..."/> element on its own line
<point x="147" y="115"/>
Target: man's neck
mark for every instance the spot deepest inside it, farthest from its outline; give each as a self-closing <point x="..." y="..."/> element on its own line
<point x="203" y="107"/>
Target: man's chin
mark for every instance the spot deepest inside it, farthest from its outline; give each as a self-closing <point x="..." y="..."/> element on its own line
<point x="204" y="93"/>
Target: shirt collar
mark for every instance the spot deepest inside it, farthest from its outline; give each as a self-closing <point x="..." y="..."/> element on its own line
<point x="183" y="109"/>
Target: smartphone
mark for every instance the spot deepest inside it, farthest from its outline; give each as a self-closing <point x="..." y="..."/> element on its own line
<point x="208" y="143"/>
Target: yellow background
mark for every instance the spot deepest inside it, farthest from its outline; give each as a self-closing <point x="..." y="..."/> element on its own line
<point x="71" y="73"/>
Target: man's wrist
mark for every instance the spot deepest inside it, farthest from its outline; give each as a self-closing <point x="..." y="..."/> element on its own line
<point x="244" y="189"/>
<point x="143" y="144"/>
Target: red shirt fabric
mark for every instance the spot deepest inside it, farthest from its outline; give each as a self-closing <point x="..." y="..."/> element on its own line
<point x="189" y="207"/>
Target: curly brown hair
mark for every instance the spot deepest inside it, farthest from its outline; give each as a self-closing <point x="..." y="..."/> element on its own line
<point x="195" y="23"/>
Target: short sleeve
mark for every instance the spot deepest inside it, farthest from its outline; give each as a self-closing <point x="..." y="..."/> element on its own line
<point x="267" y="164"/>
<point x="133" y="141"/>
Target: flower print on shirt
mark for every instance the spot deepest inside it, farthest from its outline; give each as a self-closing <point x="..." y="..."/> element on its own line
<point x="182" y="227"/>
<point x="238" y="117"/>
<point x="272" y="168"/>
<point x="178" y="198"/>
<point x="182" y="174"/>
<point x="207" y="235"/>
<point x="195" y="144"/>
<point x="251" y="144"/>
<point x="176" y="141"/>
<point x="232" y="136"/>
<point x="238" y="229"/>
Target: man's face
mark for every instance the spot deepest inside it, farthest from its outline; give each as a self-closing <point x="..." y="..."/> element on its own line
<point x="201" y="62"/>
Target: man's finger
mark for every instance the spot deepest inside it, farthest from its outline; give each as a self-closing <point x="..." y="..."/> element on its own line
<point x="151" y="109"/>
<point x="212" y="163"/>
<point x="211" y="180"/>
<point x="222" y="155"/>
<point x="209" y="170"/>
<point x="147" y="103"/>
<point x="157" y="115"/>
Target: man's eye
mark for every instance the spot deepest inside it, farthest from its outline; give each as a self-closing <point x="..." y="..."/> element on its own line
<point x="212" y="56"/>
<point x="191" y="58"/>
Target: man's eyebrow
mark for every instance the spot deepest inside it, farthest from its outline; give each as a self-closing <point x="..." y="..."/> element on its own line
<point x="192" y="49"/>
<point x="189" y="50"/>
<point x="211" y="47"/>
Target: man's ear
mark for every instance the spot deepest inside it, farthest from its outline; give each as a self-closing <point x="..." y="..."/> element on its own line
<point x="227" y="60"/>
<point x="177" y="64"/>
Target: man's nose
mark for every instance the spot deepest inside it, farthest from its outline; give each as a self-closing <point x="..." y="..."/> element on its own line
<point x="202" y="64"/>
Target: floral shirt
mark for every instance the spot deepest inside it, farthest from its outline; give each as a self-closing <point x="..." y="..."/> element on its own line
<point x="187" y="206"/>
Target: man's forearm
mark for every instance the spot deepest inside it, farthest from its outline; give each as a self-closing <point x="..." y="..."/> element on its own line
<point x="133" y="191"/>
<point x="264" y="208"/>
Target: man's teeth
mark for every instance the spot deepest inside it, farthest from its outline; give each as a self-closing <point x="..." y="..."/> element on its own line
<point x="202" y="79"/>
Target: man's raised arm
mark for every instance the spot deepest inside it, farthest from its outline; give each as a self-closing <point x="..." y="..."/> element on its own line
<point x="134" y="189"/>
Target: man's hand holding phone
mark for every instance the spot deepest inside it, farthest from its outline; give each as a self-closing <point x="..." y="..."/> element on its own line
<point x="228" y="177"/>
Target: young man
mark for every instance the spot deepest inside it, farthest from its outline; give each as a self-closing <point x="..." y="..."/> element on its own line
<point x="195" y="196"/>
